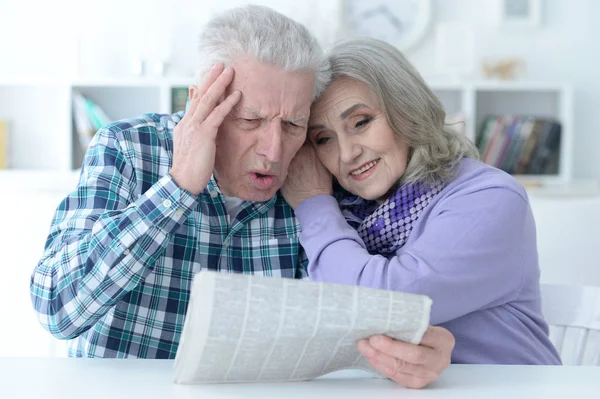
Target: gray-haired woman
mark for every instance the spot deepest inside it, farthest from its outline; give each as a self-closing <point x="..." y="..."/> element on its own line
<point x="417" y="212"/>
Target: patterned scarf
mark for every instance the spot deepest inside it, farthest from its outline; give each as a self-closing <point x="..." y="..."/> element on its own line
<point x="385" y="228"/>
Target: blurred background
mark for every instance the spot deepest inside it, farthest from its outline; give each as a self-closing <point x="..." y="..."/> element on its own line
<point x="519" y="76"/>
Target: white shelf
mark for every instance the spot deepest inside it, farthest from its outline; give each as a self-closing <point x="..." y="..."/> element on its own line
<point x="497" y="85"/>
<point x="576" y="188"/>
<point x="134" y="82"/>
<point x="63" y="182"/>
<point x="32" y="81"/>
<point x="50" y="101"/>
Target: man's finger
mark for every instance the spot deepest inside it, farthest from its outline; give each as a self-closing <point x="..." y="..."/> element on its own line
<point x="208" y="101"/>
<point x="218" y="114"/>
<point x="199" y="90"/>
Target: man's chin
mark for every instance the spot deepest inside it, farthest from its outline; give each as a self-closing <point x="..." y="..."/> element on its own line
<point x="258" y="195"/>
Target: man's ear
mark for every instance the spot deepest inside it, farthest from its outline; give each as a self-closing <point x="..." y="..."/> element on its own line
<point x="191" y="91"/>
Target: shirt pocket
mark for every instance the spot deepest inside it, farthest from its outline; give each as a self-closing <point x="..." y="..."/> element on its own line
<point x="274" y="256"/>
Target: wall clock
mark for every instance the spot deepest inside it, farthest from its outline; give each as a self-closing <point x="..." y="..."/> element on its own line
<point x="402" y="23"/>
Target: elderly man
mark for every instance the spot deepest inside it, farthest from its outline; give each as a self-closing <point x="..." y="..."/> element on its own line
<point x="162" y="196"/>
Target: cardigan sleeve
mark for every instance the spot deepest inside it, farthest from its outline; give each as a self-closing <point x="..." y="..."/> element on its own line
<point x="468" y="253"/>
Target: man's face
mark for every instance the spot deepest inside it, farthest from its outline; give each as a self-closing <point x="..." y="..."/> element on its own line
<point x="261" y="135"/>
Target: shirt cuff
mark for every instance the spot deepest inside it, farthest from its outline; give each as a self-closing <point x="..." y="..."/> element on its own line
<point x="165" y="204"/>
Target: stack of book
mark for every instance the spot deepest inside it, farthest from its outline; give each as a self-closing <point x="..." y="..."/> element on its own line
<point x="4" y="145"/>
<point x="520" y="145"/>
<point x="88" y="117"/>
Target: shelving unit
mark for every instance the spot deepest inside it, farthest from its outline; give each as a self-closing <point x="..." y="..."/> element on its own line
<point x="42" y="133"/>
<point x="43" y="136"/>
<point x="477" y="100"/>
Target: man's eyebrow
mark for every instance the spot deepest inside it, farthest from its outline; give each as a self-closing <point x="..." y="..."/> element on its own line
<point x="253" y="112"/>
<point x="295" y="119"/>
<point x="258" y="115"/>
<point x="350" y="110"/>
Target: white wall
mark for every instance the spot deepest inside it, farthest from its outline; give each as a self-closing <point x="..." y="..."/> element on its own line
<point x="568" y="229"/>
<point x="28" y="201"/>
<point x="44" y="38"/>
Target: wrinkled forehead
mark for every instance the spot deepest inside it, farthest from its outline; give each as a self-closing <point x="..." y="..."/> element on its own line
<point x="271" y="91"/>
<point x="341" y="94"/>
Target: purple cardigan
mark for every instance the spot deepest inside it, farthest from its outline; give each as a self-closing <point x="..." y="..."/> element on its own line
<point x="473" y="251"/>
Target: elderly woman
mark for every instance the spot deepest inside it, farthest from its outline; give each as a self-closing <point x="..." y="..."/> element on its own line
<point x="417" y="212"/>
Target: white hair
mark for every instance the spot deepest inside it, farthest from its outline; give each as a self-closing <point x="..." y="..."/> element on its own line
<point x="268" y="37"/>
<point x="412" y="110"/>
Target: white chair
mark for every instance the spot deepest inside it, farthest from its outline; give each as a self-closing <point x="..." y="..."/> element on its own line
<point x="573" y="314"/>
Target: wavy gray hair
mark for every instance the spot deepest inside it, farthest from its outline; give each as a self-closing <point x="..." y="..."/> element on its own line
<point x="265" y="35"/>
<point x="412" y="110"/>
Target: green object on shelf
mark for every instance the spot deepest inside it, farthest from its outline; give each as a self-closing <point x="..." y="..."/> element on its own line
<point x="179" y="96"/>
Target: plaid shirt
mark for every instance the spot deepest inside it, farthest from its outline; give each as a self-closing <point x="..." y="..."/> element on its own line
<point x="123" y="247"/>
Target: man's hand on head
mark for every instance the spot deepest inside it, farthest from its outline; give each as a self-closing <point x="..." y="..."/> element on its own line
<point x="194" y="136"/>
<point x="413" y="366"/>
<point x="306" y="178"/>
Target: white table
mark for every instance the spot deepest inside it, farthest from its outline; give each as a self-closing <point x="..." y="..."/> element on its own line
<point x="28" y="378"/>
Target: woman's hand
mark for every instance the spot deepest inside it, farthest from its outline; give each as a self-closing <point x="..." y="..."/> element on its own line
<point x="414" y="366"/>
<point x="306" y="178"/>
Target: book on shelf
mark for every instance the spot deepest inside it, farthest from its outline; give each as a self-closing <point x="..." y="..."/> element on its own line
<point x="521" y="145"/>
<point x="88" y="118"/>
<point x="4" y="145"/>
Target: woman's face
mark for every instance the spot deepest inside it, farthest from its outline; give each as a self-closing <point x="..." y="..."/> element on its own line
<point x="354" y="141"/>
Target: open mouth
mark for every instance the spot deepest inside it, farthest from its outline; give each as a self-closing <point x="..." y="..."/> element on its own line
<point x="262" y="181"/>
<point x="364" y="168"/>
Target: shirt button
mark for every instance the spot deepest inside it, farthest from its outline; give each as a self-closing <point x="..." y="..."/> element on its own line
<point x="179" y="212"/>
<point x="126" y="252"/>
<point x="214" y="194"/>
<point x="167" y="203"/>
<point x="226" y="244"/>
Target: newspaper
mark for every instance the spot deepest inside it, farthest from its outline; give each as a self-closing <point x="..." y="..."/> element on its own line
<point x="243" y="328"/>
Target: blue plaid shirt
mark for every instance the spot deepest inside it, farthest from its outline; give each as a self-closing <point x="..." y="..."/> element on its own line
<point x="124" y="246"/>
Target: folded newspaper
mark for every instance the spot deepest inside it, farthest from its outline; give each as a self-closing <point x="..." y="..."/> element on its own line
<point x="243" y="328"/>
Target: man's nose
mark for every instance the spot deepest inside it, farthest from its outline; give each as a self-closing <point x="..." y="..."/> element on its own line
<point x="270" y="141"/>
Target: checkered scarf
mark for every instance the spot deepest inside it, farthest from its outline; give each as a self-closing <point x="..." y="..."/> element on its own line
<point x="386" y="228"/>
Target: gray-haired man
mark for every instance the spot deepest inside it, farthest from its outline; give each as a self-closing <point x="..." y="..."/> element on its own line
<point x="161" y="196"/>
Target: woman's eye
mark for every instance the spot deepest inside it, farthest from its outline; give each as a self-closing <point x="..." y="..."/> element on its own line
<point x="322" y="140"/>
<point x="362" y="122"/>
